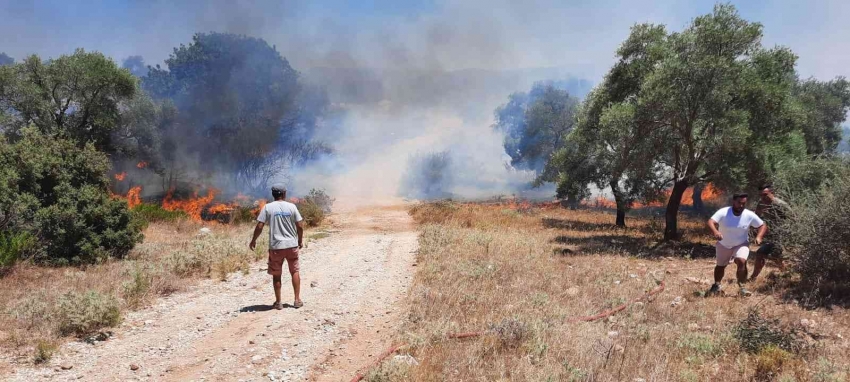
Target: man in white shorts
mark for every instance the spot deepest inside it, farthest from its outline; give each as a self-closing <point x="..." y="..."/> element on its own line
<point x="731" y="227"/>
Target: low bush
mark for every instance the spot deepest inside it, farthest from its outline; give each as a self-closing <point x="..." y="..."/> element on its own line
<point x="84" y="313"/>
<point x="155" y="213"/>
<point x="58" y="192"/>
<point x="311" y="212"/>
<point x="321" y="199"/>
<point x="756" y="333"/>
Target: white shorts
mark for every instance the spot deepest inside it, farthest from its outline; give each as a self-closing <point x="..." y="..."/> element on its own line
<point x="725" y="256"/>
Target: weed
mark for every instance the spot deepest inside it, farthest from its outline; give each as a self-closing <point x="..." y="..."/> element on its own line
<point x="700" y="344"/>
<point x="770" y="362"/>
<point x="44" y="350"/>
<point x="510" y="332"/>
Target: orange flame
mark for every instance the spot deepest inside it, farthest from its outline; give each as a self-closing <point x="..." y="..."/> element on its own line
<point x="142" y="164"/>
<point x="222" y="208"/>
<point x="709" y="194"/>
<point x="120" y="176"/>
<point x="193" y="206"/>
<point x="134" y="197"/>
<point x="258" y="206"/>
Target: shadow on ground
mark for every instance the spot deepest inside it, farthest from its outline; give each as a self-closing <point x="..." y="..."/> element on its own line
<point x="255" y="308"/>
<point x="630" y="246"/>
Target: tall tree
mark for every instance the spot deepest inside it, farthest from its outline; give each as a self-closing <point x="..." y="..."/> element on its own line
<point x="535" y="124"/>
<point x="714" y="106"/>
<point x="76" y="97"/>
<point x="609" y="147"/>
<point x="240" y="105"/>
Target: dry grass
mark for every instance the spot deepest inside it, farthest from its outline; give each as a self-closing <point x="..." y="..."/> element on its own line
<point x="173" y="256"/>
<point x="522" y="275"/>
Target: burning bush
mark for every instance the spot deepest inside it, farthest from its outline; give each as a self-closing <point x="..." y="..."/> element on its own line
<point x="57" y="191"/>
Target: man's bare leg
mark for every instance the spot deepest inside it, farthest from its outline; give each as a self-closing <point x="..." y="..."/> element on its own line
<point x="742" y="276"/>
<point x="718" y="273"/>
<point x="742" y="270"/>
<point x="296" y="286"/>
<point x="276" y="284"/>
<point x="757" y="266"/>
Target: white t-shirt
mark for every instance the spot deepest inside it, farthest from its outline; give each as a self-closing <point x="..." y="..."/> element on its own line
<point x="735" y="229"/>
<point x="281" y="217"/>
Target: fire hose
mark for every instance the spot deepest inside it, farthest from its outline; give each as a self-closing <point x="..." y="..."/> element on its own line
<point x="362" y="374"/>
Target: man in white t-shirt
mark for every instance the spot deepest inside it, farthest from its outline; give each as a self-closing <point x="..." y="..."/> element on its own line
<point x="731" y="226"/>
<point x="286" y="232"/>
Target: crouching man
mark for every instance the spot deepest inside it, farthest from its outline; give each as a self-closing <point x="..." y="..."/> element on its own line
<point x="286" y="232"/>
<point x="731" y="227"/>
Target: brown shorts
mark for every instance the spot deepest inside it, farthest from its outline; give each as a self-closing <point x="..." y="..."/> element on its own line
<point x="276" y="257"/>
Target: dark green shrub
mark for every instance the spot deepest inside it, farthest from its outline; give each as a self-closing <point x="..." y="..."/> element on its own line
<point x="311" y="212"/>
<point x="155" y="213"/>
<point x="58" y="191"/>
<point x="84" y="313"/>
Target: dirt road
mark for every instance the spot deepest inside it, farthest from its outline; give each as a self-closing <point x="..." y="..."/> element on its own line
<point x="353" y="286"/>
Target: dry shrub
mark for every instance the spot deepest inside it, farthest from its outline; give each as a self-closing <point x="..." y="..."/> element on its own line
<point x="146" y="281"/>
<point x="770" y="362"/>
<point x="311" y="212"/>
<point x="320" y="198"/>
<point x="816" y="233"/>
<point x="84" y="313"/>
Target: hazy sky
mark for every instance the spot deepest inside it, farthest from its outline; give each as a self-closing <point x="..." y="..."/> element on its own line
<point x="418" y="113"/>
<point x="579" y="36"/>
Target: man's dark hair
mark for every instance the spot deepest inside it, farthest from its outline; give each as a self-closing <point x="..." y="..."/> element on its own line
<point x="277" y="194"/>
<point x="767" y="186"/>
<point x="739" y="195"/>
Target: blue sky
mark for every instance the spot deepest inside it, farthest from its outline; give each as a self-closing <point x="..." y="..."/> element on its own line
<point x="578" y="36"/>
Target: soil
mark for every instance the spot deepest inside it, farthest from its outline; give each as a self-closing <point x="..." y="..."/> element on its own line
<point x="354" y="286"/>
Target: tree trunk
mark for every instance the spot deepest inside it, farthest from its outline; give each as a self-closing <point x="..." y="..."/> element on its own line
<point x="621" y="204"/>
<point x="671" y="215"/>
<point x="621" y="217"/>
<point x="698" y="204"/>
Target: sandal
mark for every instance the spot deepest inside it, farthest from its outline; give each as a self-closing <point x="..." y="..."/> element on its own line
<point x="298" y="304"/>
<point x="277" y="306"/>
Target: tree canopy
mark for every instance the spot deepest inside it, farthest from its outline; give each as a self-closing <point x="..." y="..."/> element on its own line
<point x="76" y="97"/>
<point x="709" y="103"/>
<point x="535" y="124"/>
<point x="240" y="105"/>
